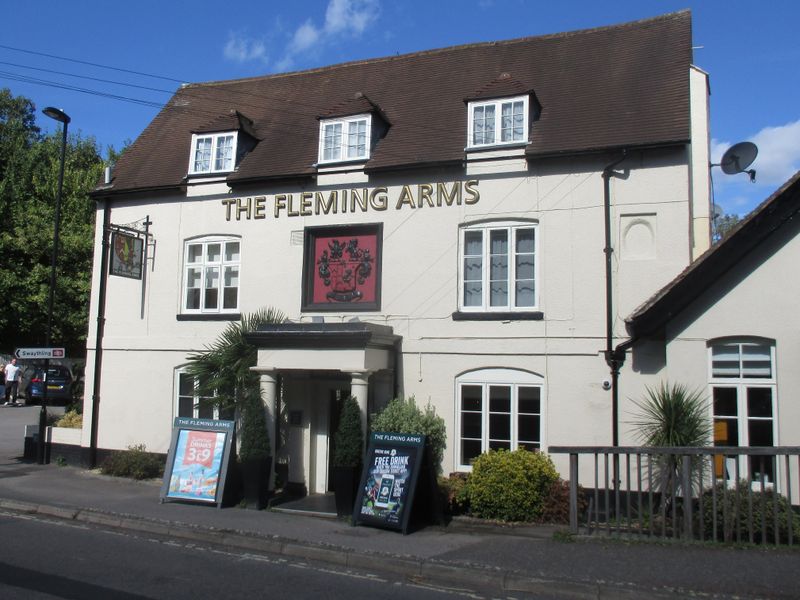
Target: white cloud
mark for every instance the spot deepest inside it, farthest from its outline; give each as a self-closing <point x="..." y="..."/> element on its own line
<point x="352" y="15"/>
<point x="304" y="38"/>
<point x="241" y="49"/>
<point x="343" y="19"/>
<point x="778" y="153"/>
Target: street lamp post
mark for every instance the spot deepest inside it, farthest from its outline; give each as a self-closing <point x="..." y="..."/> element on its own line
<point x="62" y="117"/>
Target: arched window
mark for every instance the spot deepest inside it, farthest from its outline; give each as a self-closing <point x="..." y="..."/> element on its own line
<point x="743" y="389"/>
<point x="188" y="401"/>
<point x="497" y="408"/>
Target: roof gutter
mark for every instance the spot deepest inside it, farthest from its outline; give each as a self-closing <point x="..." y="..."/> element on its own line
<point x="108" y="192"/>
<point x="533" y="154"/>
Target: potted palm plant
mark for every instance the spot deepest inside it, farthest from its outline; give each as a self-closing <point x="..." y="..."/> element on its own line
<point x="347" y="456"/>
<point x="224" y="376"/>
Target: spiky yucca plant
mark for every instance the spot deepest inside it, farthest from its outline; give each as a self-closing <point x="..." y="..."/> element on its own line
<point x="673" y="415"/>
<point x="223" y="370"/>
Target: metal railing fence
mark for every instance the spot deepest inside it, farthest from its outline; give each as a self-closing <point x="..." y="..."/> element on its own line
<point x="713" y="494"/>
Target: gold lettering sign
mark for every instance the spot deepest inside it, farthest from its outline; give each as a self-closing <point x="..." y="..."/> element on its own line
<point x="352" y="200"/>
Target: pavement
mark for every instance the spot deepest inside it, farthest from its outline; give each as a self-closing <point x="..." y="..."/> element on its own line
<point x="466" y="554"/>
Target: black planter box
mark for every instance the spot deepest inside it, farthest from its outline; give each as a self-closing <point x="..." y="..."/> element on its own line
<point x="345" y="482"/>
<point x="255" y="482"/>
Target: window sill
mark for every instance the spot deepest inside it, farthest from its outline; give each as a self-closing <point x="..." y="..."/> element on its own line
<point x="333" y="164"/>
<point x="209" y="317"/>
<point x="498" y="316"/>
<point x="497" y="146"/>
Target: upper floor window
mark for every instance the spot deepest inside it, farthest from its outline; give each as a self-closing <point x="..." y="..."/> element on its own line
<point x="743" y="390"/>
<point x="211" y="275"/>
<point x="213" y="152"/>
<point x="498" y="267"/>
<point x="345" y="139"/>
<point x="502" y="121"/>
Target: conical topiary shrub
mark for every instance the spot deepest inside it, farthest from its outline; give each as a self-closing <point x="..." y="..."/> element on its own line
<point x="347" y="456"/>
<point x="349" y="438"/>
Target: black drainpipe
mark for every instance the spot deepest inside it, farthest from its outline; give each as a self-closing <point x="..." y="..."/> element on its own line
<point x="101" y="321"/>
<point x="614" y="358"/>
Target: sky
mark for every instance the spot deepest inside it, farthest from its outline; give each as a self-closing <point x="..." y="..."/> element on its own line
<point x="110" y="65"/>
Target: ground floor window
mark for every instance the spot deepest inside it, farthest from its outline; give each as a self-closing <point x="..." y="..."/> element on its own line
<point x="189" y="402"/>
<point x="498" y="408"/>
<point x="743" y="391"/>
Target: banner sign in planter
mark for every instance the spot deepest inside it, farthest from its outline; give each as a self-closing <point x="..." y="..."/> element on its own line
<point x="389" y="480"/>
<point x="197" y="461"/>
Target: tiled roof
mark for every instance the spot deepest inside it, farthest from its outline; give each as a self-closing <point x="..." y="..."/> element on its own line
<point x="503" y="85"/>
<point x="355" y="105"/>
<point x="780" y="208"/>
<point x="232" y="121"/>
<point x="623" y="85"/>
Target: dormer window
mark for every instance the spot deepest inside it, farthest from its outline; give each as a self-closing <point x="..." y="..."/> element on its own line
<point x="213" y="152"/>
<point x="345" y="139"/>
<point x="498" y="122"/>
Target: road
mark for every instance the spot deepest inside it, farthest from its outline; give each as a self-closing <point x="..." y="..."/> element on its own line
<point x="47" y="559"/>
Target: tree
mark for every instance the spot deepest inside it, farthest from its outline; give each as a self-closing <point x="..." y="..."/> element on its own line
<point x="29" y="164"/>
<point x="723" y="226"/>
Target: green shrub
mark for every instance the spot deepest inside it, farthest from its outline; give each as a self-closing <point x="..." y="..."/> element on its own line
<point x="511" y="486"/>
<point x="732" y="529"/>
<point x="556" y="504"/>
<point x="71" y="419"/>
<point x="135" y="462"/>
<point x="254" y="437"/>
<point x="455" y="492"/>
<point x="349" y="439"/>
<point x="404" y="416"/>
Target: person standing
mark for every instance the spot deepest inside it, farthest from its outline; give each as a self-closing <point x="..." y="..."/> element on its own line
<point x="12" y="373"/>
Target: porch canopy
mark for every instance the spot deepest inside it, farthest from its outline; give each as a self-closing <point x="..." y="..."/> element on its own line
<point x="356" y="348"/>
<point x="348" y="347"/>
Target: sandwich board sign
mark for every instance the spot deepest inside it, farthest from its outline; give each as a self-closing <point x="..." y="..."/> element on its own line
<point x="389" y="480"/>
<point x="197" y="462"/>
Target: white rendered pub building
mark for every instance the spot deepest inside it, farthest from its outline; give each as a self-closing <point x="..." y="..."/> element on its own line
<point x="469" y="226"/>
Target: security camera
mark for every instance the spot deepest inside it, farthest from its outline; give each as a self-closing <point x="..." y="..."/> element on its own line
<point x="606" y="384"/>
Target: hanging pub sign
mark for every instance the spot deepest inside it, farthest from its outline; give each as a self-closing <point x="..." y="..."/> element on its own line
<point x="389" y="480"/>
<point x="126" y="255"/>
<point x="197" y="461"/>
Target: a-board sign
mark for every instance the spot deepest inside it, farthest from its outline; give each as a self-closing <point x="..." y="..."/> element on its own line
<point x="197" y="462"/>
<point x="389" y="480"/>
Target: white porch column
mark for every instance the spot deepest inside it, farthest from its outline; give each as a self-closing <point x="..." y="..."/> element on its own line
<point x="359" y="389"/>
<point x="269" y="396"/>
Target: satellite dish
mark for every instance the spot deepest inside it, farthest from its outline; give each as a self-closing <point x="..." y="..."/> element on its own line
<point x="738" y="157"/>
